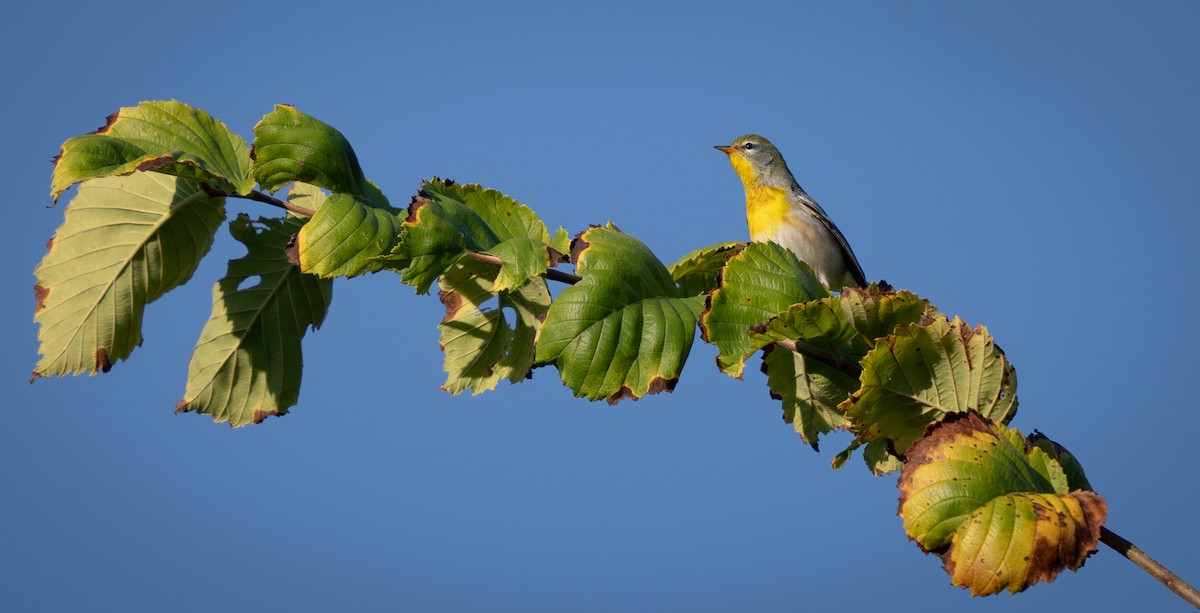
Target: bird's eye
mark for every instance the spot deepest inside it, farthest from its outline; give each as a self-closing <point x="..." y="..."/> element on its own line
<point x="749" y="146"/>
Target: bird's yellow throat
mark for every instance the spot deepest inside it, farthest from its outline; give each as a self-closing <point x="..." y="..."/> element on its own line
<point x="766" y="207"/>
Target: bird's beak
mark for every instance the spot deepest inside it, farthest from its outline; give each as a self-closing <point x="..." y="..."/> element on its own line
<point x="724" y="148"/>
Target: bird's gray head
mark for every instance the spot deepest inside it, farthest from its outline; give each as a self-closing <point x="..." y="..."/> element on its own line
<point x="759" y="156"/>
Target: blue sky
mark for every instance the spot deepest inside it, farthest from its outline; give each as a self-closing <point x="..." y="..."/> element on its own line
<point x="1026" y="166"/>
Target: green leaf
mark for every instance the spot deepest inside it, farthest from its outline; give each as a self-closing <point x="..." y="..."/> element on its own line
<point x="1072" y="469"/>
<point x="434" y="238"/>
<point x="247" y="364"/>
<point x="308" y="196"/>
<point x="755" y="284"/>
<point x="346" y="236"/>
<point x="626" y="329"/>
<point x="291" y="146"/>
<point x="875" y="313"/>
<point x="876" y="456"/>
<point x="923" y="373"/>
<point x="879" y="459"/>
<point x="124" y="242"/>
<point x="446" y="221"/>
<point x="480" y="344"/>
<point x="522" y="258"/>
<point x="978" y="494"/>
<point x="167" y="137"/>
<point x="696" y="272"/>
<point x="842" y="329"/>
<point x="820" y="324"/>
<point x="810" y="391"/>
<point x="503" y="216"/>
<point x="560" y="243"/>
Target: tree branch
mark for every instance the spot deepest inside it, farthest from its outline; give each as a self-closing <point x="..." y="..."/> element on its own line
<point x="1152" y="567"/>
<point x="257" y="196"/>
<point x="1108" y="537"/>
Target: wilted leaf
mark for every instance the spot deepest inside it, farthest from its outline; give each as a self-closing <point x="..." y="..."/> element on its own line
<point x="1016" y="540"/>
<point x="696" y="272"/>
<point x="247" y="364"/>
<point x="625" y="330"/>
<point x="921" y="373"/>
<point x="761" y="281"/>
<point x="167" y="137"/>
<point x="125" y="242"/>
<point x="978" y="494"/>
<point x="961" y="465"/>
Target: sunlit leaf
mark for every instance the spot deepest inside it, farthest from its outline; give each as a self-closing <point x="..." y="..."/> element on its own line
<point x="560" y="243"/>
<point x="626" y="329"/>
<point x="447" y="221"/>
<point x="840" y="329"/>
<point x="346" y="237"/>
<point x="167" y="137"/>
<point x="980" y="496"/>
<point x="125" y="241"/>
<point x="503" y="216"/>
<point x="247" y="364"/>
<point x="950" y="475"/>
<point x="522" y="258"/>
<point x="1072" y="469"/>
<point x="1016" y="540"/>
<point x="480" y="343"/>
<point x="307" y="196"/>
<point x="291" y="146"/>
<point x="921" y="373"/>
<point x="757" y="283"/>
<point x="875" y="312"/>
<point x="696" y="271"/>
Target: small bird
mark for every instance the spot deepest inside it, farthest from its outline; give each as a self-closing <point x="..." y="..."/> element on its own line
<point x="779" y="210"/>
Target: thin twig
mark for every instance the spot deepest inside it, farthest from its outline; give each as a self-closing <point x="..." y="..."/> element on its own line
<point x="258" y="196"/>
<point x="820" y="355"/>
<point x="283" y="204"/>
<point x="1152" y="567"/>
<point x="551" y="273"/>
<point x="562" y="277"/>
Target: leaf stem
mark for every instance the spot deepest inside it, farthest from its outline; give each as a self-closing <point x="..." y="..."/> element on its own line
<point x="1151" y="566"/>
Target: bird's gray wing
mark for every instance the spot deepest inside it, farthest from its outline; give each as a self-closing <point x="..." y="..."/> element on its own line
<point x="816" y="211"/>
